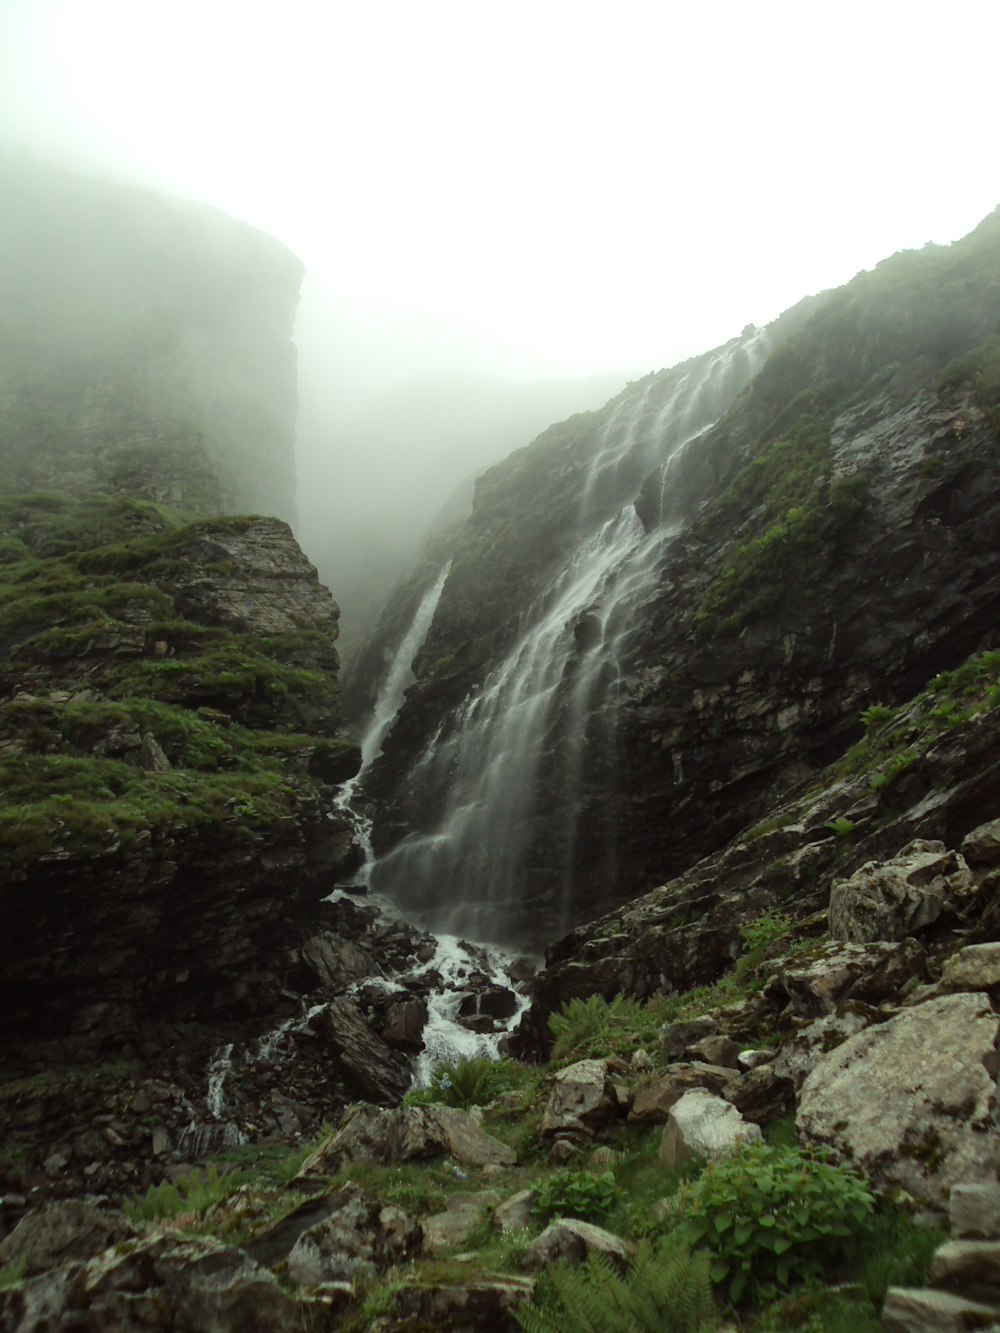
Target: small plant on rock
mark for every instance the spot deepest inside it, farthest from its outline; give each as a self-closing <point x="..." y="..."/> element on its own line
<point x="772" y="1216"/>
<point x="667" y="1290"/>
<point x="188" y="1194"/>
<point x="576" y="1194"/>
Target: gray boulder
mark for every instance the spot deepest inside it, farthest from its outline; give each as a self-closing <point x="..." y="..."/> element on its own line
<point x="909" y="1102"/>
<point x="837" y="972"/>
<point x="703" y="1125"/>
<point x="582" y="1098"/>
<point x="571" y="1241"/>
<point x="889" y="900"/>
<point x="406" y="1134"/>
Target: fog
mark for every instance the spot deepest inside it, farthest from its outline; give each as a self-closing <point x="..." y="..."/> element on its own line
<point x="492" y="198"/>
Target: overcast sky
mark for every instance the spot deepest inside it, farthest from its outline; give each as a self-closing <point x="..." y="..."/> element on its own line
<point x="533" y="188"/>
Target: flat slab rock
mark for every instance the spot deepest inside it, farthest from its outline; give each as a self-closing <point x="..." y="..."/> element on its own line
<point x="909" y="1101"/>
<point x="921" y="1310"/>
<point x="572" y="1241"/>
<point x="407" y="1134"/>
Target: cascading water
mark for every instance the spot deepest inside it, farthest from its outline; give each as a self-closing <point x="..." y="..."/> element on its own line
<point x="387" y="704"/>
<point x="518" y="776"/>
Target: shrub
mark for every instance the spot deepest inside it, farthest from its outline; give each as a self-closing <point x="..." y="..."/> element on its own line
<point x="770" y="1216"/>
<point x="188" y="1194"/>
<point x="668" y="1290"/>
<point x="765" y="929"/>
<point x="470" y="1081"/>
<point x="576" y="1194"/>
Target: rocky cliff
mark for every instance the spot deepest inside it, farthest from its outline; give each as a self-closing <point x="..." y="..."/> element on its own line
<point x="145" y="347"/>
<point x="666" y="613"/>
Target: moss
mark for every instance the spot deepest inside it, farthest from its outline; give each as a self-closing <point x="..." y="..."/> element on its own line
<point x="88" y="608"/>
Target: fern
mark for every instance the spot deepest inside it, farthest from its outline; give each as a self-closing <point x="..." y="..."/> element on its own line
<point x="668" y="1290"/>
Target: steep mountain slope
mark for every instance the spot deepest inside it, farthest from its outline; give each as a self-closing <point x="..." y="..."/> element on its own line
<point x="662" y="614"/>
<point x="145" y="346"/>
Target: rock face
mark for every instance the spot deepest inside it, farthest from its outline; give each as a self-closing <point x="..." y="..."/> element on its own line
<point x="192" y="727"/>
<point x="639" y="592"/>
<point x="147" y="343"/>
<point x="911" y="1101"/>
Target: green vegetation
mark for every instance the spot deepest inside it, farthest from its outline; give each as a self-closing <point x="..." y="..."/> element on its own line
<point x="576" y="1194"/>
<point x="131" y="717"/>
<point x="194" y="1193"/>
<point x="981" y="370"/>
<point x="470" y="1082"/>
<point x="898" y="739"/>
<point x="770" y="1216"/>
<point x="666" y="1290"/>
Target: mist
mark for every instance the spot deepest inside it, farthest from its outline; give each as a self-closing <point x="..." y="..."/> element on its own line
<point x="506" y="215"/>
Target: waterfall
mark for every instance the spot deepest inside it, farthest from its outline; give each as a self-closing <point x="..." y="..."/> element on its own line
<point x="387" y="705"/>
<point x="400" y="675"/>
<point x="520" y="778"/>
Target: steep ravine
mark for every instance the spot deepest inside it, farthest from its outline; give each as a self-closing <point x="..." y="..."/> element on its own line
<point x="654" y="624"/>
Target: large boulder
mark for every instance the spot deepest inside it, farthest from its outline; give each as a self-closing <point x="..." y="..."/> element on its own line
<point x="652" y="1103"/>
<point x="889" y="900"/>
<point x="62" y="1232"/>
<point x="370" y="1064"/>
<point x="910" y="1101"/>
<point x="407" y="1134"/>
<point x="836" y="972"/>
<point x="479" y="1303"/>
<point x="163" y="1283"/>
<point x="582" y="1098"/>
<point x="359" y="1238"/>
<point x="571" y="1241"/>
<point x="337" y="963"/>
<point x="702" y="1125"/>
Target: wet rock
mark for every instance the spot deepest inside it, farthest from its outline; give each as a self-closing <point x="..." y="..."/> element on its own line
<point x="407" y="1134"/>
<point x="373" y="1067"/>
<point x="582" y="1099"/>
<point x="844" y="971"/>
<point x="494" y="1001"/>
<point x="909" y="1102"/>
<point x="337" y="963"/>
<point x="652" y="1103"/>
<point x="571" y="1241"/>
<point x="889" y="900"/>
<point x="703" y="1125"/>
<point x="403" y="1023"/>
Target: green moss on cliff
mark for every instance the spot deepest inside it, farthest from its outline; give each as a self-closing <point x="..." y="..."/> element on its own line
<point x="121" y="715"/>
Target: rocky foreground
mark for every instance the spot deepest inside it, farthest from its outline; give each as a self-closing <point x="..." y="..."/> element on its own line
<point x="830" y="978"/>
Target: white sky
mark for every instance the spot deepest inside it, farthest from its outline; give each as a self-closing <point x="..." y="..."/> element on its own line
<point x="534" y="188"/>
